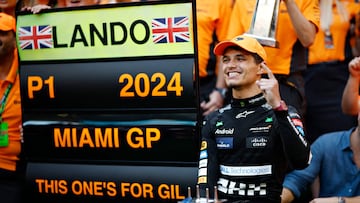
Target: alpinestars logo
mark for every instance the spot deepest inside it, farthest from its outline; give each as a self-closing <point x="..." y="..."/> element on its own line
<point x="244" y="114"/>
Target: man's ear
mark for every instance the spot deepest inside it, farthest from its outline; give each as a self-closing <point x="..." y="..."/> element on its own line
<point x="260" y="69"/>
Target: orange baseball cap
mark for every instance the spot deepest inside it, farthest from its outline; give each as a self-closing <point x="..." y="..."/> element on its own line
<point x="7" y="22"/>
<point x="245" y="42"/>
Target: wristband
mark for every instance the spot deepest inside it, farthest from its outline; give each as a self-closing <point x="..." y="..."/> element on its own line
<point x="281" y="107"/>
<point x="222" y="91"/>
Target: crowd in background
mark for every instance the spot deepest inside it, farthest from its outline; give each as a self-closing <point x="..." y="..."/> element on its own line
<point x="316" y="42"/>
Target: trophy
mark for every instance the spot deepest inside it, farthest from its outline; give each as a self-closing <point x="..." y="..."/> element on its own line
<point x="206" y="199"/>
<point x="264" y="22"/>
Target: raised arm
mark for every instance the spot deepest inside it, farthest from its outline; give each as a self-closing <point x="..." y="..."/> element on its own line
<point x="305" y="30"/>
<point x="350" y="100"/>
<point x="290" y="127"/>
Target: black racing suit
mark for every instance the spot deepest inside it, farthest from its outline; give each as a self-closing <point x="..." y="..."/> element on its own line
<point x="247" y="148"/>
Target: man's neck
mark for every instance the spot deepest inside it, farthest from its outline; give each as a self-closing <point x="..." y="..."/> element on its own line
<point x="9" y="11"/>
<point x="355" y="146"/>
<point x="246" y="92"/>
<point x="5" y="65"/>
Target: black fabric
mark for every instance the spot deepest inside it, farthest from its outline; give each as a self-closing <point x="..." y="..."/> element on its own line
<point x="324" y="87"/>
<point x="11" y="187"/>
<point x="290" y="93"/>
<point x="248" y="133"/>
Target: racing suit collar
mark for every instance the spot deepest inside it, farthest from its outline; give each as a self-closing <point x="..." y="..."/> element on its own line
<point x="256" y="100"/>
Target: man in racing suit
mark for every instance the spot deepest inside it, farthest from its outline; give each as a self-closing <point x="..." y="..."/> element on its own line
<point x="248" y="146"/>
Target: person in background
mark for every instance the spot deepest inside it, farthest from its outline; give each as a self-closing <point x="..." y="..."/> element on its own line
<point x="10" y="113"/>
<point x="297" y="24"/>
<point x="327" y="72"/>
<point x="75" y="3"/>
<point x="212" y="17"/>
<point x="10" y="6"/>
<point x="44" y="4"/>
<point x="336" y="161"/>
<point x="355" y="38"/>
<point x="247" y="145"/>
<point x="334" y="168"/>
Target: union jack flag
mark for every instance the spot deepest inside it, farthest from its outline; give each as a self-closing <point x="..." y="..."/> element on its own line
<point x="170" y="30"/>
<point x="35" y="37"/>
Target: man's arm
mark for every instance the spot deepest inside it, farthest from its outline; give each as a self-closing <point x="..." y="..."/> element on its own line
<point x="290" y="126"/>
<point x="287" y="196"/>
<point x="297" y="181"/>
<point x="336" y="199"/>
<point x="217" y="96"/>
<point x="305" y="30"/>
<point x="350" y="99"/>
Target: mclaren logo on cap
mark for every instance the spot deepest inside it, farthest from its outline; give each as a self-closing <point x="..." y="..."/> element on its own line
<point x="239" y="38"/>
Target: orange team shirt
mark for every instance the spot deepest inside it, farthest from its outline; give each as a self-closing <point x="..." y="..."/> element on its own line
<point x="278" y="59"/>
<point x="11" y="115"/>
<point x="212" y="17"/>
<point x="318" y="52"/>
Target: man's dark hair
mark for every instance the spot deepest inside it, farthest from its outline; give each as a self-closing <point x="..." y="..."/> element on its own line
<point x="257" y="58"/>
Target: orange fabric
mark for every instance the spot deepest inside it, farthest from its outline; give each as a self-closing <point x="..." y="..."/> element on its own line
<point x="11" y="115"/>
<point x="7" y="22"/>
<point x="211" y="16"/>
<point x="318" y="52"/>
<point x="247" y="43"/>
<point x="278" y="59"/>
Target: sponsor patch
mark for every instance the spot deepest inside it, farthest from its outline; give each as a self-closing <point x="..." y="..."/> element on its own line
<point x="294" y="115"/>
<point x="202" y="180"/>
<point x="251" y="101"/>
<point x="202" y="172"/>
<point x="203" y="145"/>
<point x="297" y="122"/>
<point x="224" y="142"/>
<point x="256" y="142"/>
<point x="229" y="131"/>
<point x="259" y="129"/>
<point x="301" y="130"/>
<point x="203" y="163"/>
<point x="269" y="120"/>
<point x="203" y="154"/>
<point x="245" y="170"/>
<point x="219" y="123"/>
<point x="241" y="189"/>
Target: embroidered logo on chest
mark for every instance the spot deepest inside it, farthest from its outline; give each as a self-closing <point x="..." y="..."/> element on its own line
<point x="244" y="114"/>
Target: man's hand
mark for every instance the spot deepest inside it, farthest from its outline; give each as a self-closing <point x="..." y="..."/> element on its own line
<point x="270" y="87"/>
<point x="215" y="102"/>
<point x="304" y="29"/>
<point x="36" y="9"/>
<point x="325" y="200"/>
<point x="354" y="67"/>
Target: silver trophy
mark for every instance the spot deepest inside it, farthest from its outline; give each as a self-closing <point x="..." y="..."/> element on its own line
<point x="264" y="22"/>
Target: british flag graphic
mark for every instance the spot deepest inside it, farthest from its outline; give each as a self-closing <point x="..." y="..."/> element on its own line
<point x="35" y="37"/>
<point x="170" y="30"/>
